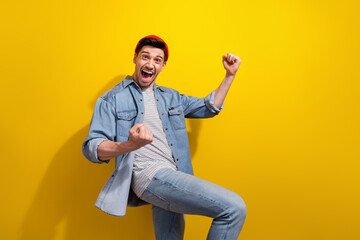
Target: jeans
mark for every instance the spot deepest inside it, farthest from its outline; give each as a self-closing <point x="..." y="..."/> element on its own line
<point x="174" y="193"/>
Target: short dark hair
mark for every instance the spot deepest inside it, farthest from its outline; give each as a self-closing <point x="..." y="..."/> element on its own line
<point x="154" y="43"/>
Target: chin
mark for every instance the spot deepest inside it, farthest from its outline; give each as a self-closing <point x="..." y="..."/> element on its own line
<point x="146" y="84"/>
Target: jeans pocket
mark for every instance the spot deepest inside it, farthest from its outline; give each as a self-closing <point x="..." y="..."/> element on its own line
<point x="155" y="200"/>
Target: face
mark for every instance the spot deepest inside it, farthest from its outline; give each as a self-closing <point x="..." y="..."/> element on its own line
<point x="148" y="64"/>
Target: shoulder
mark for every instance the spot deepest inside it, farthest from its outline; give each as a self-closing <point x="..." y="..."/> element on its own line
<point x="168" y="90"/>
<point x="118" y="90"/>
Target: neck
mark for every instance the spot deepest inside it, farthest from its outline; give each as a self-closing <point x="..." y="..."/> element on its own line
<point x="139" y="85"/>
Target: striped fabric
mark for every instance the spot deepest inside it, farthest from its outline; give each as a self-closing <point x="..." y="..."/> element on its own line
<point x="154" y="156"/>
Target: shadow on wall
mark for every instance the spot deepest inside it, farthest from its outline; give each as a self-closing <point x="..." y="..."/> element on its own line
<point x="64" y="202"/>
<point x="193" y="134"/>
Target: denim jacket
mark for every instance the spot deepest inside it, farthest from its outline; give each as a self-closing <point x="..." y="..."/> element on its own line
<point x="120" y="108"/>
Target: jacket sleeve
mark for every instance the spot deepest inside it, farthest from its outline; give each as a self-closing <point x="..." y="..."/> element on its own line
<point x="200" y="107"/>
<point x="102" y="128"/>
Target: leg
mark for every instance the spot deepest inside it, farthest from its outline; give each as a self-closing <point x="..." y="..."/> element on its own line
<point x="182" y="193"/>
<point x="168" y="225"/>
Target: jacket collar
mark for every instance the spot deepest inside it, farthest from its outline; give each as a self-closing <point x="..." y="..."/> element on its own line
<point x="127" y="81"/>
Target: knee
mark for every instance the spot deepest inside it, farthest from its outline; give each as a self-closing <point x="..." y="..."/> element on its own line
<point x="237" y="209"/>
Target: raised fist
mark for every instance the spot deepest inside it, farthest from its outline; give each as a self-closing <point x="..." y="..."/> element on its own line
<point x="231" y="63"/>
<point x="140" y="135"/>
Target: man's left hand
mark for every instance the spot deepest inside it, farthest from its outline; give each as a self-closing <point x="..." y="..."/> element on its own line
<point x="231" y="63"/>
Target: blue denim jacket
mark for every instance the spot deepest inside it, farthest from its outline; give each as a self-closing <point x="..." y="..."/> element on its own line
<point x="120" y="108"/>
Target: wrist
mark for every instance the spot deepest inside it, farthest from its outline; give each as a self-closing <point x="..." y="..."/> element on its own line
<point x="230" y="75"/>
<point x="128" y="145"/>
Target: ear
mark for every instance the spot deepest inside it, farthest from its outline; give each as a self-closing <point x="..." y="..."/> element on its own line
<point x="134" y="59"/>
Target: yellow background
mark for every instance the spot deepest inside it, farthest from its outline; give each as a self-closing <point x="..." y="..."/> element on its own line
<point x="287" y="140"/>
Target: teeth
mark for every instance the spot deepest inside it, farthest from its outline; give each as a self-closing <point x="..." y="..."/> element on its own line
<point x="147" y="72"/>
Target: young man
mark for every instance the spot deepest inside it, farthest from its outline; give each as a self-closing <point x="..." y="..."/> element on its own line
<point x="143" y="126"/>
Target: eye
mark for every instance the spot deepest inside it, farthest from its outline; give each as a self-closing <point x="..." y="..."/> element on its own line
<point x="145" y="57"/>
<point x="157" y="60"/>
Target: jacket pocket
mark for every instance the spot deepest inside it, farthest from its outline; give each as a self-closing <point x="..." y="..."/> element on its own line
<point x="125" y="120"/>
<point x="176" y="116"/>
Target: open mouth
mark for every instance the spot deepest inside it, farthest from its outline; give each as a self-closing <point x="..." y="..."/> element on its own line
<point x="146" y="75"/>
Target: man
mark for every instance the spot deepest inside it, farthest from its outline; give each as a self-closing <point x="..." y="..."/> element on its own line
<point x="143" y="126"/>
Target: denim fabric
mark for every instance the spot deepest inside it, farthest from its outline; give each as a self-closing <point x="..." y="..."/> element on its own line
<point x="122" y="107"/>
<point x="173" y="194"/>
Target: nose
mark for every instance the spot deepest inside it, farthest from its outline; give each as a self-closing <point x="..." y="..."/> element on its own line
<point x="150" y="64"/>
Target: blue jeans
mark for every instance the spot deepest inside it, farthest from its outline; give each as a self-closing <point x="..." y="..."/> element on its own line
<point x="174" y="193"/>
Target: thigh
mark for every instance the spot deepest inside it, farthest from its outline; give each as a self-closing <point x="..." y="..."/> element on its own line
<point x="183" y="193"/>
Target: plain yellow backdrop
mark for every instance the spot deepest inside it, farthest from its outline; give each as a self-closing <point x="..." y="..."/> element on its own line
<point x="287" y="140"/>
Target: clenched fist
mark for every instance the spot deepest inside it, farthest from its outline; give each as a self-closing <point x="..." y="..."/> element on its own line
<point x="231" y="63"/>
<point x="140" y="135"/>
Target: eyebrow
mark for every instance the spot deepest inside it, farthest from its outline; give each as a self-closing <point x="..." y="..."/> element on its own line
<point x="149" y="53"/>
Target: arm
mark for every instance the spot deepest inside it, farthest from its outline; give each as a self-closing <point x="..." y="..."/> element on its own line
<point x="139" y="135"/>
<point x="211" y="105"/>
<point x="231" y="64"/>
<point x="100" y="145"/>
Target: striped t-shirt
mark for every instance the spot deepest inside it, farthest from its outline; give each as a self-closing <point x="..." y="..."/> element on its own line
<point x="154" y="156"/>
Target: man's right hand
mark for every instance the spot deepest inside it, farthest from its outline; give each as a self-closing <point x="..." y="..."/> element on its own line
<point x="140" y="135"/>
